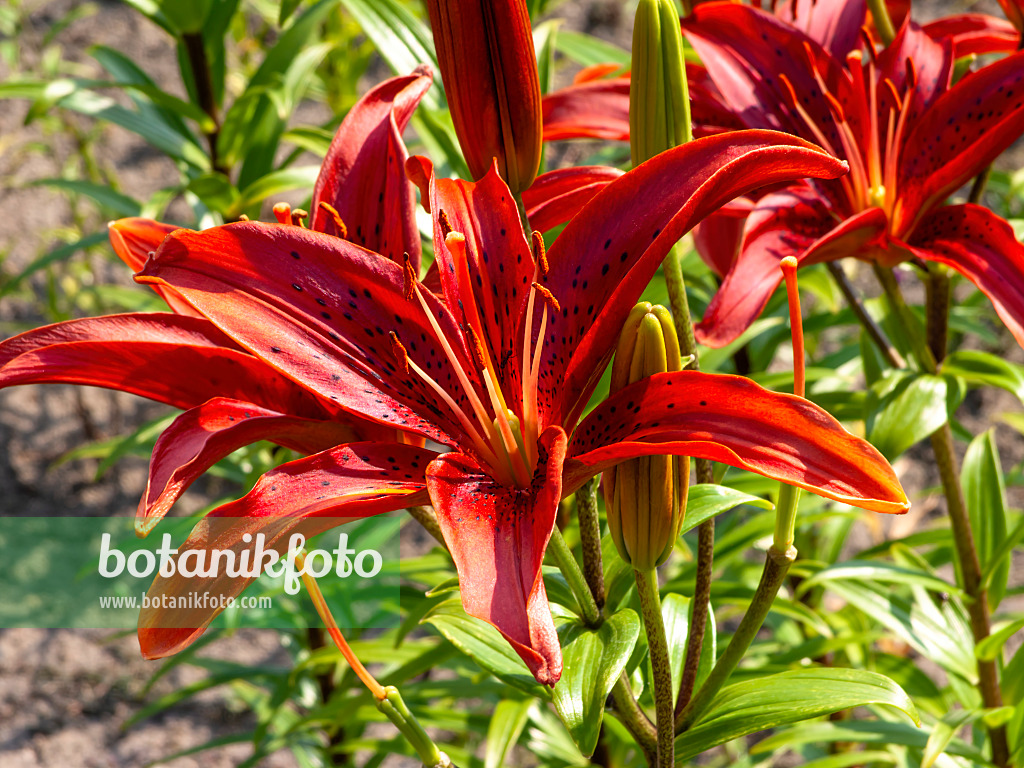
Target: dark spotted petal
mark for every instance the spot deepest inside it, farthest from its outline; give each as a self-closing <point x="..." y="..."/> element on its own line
<point x="133" y="239"/>
<point x="604" y="258"/>
<point x="319" y="310"/>
<point x="204" y="435"/>
<point x="963" y="131"/>
<point x="363" y="175"/>
<point x="497" y="536"/>
<point x="500" y="263"/>
<point x="717" y="239"/>
<point x="557" y="196"/>
<point x="732" y="420"/>
<point x="745" y="50"/>
<point x="152" y="355"/>
<point x="932" y="62"/>
<point x="307" y="496"/>
<point x="790" y="223"/>
<point x="982" y="247"/>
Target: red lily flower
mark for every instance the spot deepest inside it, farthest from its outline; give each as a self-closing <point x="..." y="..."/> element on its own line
<point x="497" y="368"/>
<point x="911" y="140"/>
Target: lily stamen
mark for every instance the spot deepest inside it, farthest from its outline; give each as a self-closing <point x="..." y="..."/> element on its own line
<point x="283" y="213"/>
<point x="331" y="211"/>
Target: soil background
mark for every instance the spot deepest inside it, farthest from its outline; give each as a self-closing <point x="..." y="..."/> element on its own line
<point x="65" y="695"/>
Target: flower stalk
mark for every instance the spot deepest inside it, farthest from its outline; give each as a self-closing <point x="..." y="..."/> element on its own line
<point x="661" y="670"/>
<point x="388" y="699"/>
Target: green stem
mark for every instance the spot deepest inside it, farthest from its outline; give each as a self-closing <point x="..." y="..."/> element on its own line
<point x="574" y="576"/>
<point x="969" y="565"/>
<point x="195" y="49"/>
<point x="978" y="187"/>
<point x="892" y="290"/>
<point x="590" y="539"/>
<point x="883" y="23"/>
<point x="785" y="517"/>
<point x="637" y="723"/>
<point x="776" y="566"/>
<point x="661" y="670"/>
<point x="873" y="329"/>
<point x="395" y="710"/>
<point x="672" y="267"/>
<point x="698" y="609"/>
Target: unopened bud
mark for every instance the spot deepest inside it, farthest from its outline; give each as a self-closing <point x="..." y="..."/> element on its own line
<point x="659" y="103"/>
<point x="489" y="70"/>
<point x="646" y="497"/>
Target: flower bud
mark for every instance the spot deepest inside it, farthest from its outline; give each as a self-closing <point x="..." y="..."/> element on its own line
<point x="646" y="497"/>
<point x="489" y="71"/>
<point x="659" y="103"/>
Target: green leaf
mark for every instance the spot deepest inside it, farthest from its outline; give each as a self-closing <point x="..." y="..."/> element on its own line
<point x="114" y="202"/>
<point x="705" y="501"/>
<point x="675" y="610"/>
<point x="985" y="494"/>
<point x="402" y="40"/>
<point x="310" y="138"/>
<point x="588" y="50"/>
<point x="506" y="726"/>
<point x="991" y="647"/>
<point x="274" y="183"/>
<point x="847" y="759"/>
<point x="485" y="645"/>
<point x="592" y="662"/>
<point x="544" y="37"/>
<point x="216" y="192"/>
<point x="187" y="16"/>
<point x="53" y="257"/>
<point x="288" y="7"/>
<point x="863" y="732"/>
<point x="943" y="733"/>
<point x="905" y="407"/>
<point x="979" y="368"/>
<point x="865" y="570"/>
<point x="786" y="698"/>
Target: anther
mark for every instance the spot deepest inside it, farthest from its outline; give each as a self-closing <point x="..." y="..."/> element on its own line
<point x="788" y="86"/>
<point x="299" y="217"/>
<point x="331" y="211"/>
<point x="869" y="44"/>
<point x="911" y="74"/>
<point x="890" y="86"/>
<point x="475" y="347"/>
<point x="445" y="222"/>
<point x="540" y="258"/>
<point x="837" y="108"/>
<point x="243" y="217"/>
<point x="548" y="296"/>
<point x="408" y="277"/>
<point x="400" y="352"/>
<point x="283" y="212"/>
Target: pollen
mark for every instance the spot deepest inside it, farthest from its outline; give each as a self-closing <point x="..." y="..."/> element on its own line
<point x="540" y="258"/>
<point x="400" y="353"/>
<point x="549" y="297"/>
<point x="445" y="222"/>
<point x="408" y="276"/>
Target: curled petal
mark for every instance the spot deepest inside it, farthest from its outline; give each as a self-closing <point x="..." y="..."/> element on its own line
<point x="592" y="109"/>
<point x="363" y="175"/>
<point x="133" y="240"/>
<point x="732" y="420"/>
<point x="307" y="496"/>
<point x="497" y="536"/>
<point x="204" y="435"/>
<point x="718" y="238"/>
<point x="974" y="34"/>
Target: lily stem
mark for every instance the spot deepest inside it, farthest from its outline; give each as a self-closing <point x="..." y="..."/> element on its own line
<point x="388" y="699"/>
<point x="195" y="49"/>
<point x="873" y="329"/>
<point x="776" y="566"/>
<point x="574" y="576"/>
<point x="922" y="351"/>
<point x="654" y="626"/>
<point x="883" y="23"/>
<point x="632" y="716"/>
<point x="676" y="284"/>
<point x="969" y="570"/>
<point x="590" y="539"/>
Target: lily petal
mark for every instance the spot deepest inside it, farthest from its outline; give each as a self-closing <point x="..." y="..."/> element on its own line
<point x="982" y="247"/>
<point x="735" y="421"/>
<point x="592" y="109"/>
<point x="717" y="239"/>
<point x="319" y="310"/>
<point x="604" y="258"/>
<point x="793" y="222"/>
<point x="974" y="34"/>
<point x="932" y="62"/>
<point x="557" y="196"/>
<point x="833" y="24"/>
<point x="307" y="496"/>
<point x="363" y="175"/>
<point x="152" y="355"/>
<point x="133" y="239"/>
<point x="497" y="536"/>
<point x="964" y="130"/>
<point x="202" y="436"/>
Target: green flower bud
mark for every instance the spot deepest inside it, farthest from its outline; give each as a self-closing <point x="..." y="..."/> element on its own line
<point x="659" y="103"/>
<point x="646" y="497"/>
